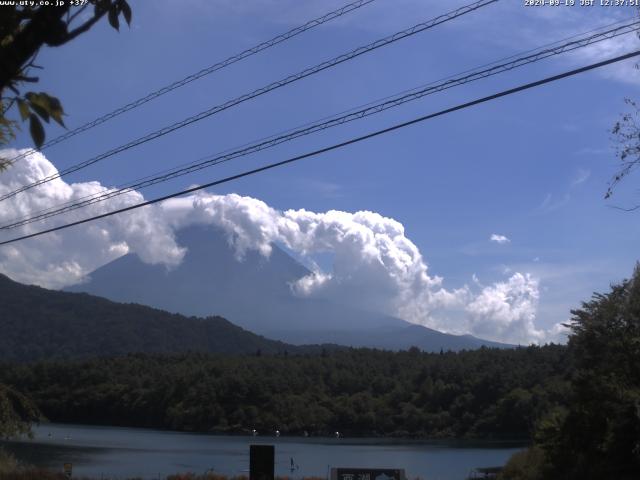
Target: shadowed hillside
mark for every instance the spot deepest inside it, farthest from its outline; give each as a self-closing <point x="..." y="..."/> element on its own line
<point x="42" y="324"/>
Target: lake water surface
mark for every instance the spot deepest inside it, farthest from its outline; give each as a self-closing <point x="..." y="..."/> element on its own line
<point x="126" y="452"/>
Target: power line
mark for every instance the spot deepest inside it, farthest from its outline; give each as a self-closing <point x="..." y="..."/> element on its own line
<point x="370" y="109"/>
<point x="261" y="91"/>
<point x="413" y="94"/>
<point x="336" y="146"/>
<point x="202" y="73"/>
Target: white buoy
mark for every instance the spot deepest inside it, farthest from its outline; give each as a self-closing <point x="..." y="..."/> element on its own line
<point x="254" y="432"/>
<point x="277" y="433"/>
<point x="337" y="434"/>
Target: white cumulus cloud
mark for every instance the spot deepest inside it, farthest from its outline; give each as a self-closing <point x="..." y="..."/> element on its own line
<point x="375" y="265"/>
<point x="507" y="310"/>
<point x="64" y="258"/>
<point x="558" y="333"/>
<point x="581" y="176"/>
<point x="501" y="239"/>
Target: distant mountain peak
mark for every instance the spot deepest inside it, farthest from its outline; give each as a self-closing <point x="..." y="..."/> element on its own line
<point x="255" y="293"/>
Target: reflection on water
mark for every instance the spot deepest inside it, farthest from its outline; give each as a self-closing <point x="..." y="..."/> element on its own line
<point x="122" y="452"/>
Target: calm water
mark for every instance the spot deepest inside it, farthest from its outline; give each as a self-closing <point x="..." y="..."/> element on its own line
<point x="120" y="452"/>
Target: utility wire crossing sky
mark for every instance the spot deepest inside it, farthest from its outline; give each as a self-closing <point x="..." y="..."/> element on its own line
<point x="198" y="75"/>
<point x="557" y="49"/>
<point x="338" y="145"/>
<point x="420" y="27"/>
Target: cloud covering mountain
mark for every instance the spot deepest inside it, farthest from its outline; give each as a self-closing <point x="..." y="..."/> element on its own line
<point x="375" y="266"/>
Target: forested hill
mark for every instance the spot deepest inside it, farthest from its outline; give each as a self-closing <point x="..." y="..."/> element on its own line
<point x="37" y="323"/>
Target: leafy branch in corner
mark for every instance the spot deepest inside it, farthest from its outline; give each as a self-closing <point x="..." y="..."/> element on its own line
<point x="24" y="30"/>
<point x="626" y="132"/>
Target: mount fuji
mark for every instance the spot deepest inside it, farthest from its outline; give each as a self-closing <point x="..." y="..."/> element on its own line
<point x="255" y="293"/>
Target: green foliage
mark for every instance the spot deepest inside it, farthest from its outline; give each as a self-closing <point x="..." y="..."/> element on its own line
<point x="24" y="29"/>
<point x="7" y="132"/>
<point x="529" y="464"/>
<point x="119" y="7"/>
<point x="8" y="462"/>
<point x="596" y="434"/>
<point x="481" y="393"/>
<point x="601" y="430"/>
<point x="626" y="135"/>
<point x="36" y="129"/>
<point x="36" y="106"/>
<point x="16" y="412"/>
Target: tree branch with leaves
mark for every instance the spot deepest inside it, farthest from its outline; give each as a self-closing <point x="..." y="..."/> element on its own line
<point x="626" y="133"/>
<point x="24" y="30"/>
<point x="17" y="412"/>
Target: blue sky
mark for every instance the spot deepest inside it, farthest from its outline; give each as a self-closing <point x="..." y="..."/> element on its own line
<point x="532" y="167"/>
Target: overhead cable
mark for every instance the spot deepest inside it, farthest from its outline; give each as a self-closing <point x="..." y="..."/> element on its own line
<point x="371" y="109"/>
<point x="336" y="146"/>
<point x="202" y="73"/>
<point x="260" y="91"/>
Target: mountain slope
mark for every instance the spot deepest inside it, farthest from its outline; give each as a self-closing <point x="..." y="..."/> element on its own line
<point x="42" y="324"/>
<point x="255" y="293"/>
<point x="252" y="292"/>
<point x="396" y="338"/>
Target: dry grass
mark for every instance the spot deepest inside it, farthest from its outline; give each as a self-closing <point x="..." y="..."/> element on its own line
<point x="10" y="469"/>
<point x="31" y="474"/>
<point x="8" y="463"/>
<point x="217" y="476"/>
<point x="22" y="473"/>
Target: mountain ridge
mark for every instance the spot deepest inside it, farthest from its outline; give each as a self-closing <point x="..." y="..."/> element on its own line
<point x="255" y="294"/>
<point x="46" y="324"/>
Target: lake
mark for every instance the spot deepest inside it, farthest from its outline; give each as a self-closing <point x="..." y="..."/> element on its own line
<point x="121" y="452"/>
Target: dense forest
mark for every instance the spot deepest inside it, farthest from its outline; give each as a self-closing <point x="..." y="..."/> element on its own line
<point x="43" y="324"/>
<point x="487" y="392"/>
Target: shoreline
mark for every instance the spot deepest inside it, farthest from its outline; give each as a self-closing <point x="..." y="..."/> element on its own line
<point x="363" y="439"/>
<point x="122" y="452"/>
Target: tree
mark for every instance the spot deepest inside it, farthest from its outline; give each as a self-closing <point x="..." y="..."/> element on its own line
<point x="24" y="30"/>
<point x="626" y="136"/>
<point x="16" y="412"/>
<point x="598" y="435"/>
<point x="626" y="132"/>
